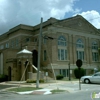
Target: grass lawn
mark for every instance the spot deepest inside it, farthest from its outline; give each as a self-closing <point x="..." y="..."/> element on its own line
<point x="72" y="79"/>
<point x="23" y="89"/>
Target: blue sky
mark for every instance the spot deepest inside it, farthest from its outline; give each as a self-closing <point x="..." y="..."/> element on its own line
<point x="85" y="5"/>
<point x="15" y="12"/>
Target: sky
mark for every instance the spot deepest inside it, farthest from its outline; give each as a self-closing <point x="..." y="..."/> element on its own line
<point x="29" y="12"/>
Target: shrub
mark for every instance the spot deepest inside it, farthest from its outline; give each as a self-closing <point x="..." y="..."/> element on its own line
<point x="33" y="81"/>
<point x="3" y="78"/>
<point x="79" y="74"/>
<point x="59" y="77"/>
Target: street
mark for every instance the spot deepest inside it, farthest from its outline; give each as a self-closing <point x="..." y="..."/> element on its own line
<point x="84" y="95"/>
<point x="72" y="87"/>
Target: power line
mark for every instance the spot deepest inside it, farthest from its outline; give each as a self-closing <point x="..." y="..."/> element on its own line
<point x="71" y="43"/>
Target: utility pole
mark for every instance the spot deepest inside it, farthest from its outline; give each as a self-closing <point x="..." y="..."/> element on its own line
<point x="39" y="55"/>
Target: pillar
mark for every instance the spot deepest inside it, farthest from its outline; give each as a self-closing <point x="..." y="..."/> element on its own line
<point x="74" y="49"/>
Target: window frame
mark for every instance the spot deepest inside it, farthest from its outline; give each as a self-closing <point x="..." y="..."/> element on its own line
<point x="80" y="49"/>
<point x="62" y="48"/>
<point x="95" y="53"/>
<point x="44" y="55"/>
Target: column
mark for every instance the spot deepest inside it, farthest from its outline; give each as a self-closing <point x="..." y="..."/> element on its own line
<point x="73" y="49"/>
<point x="90" y="51"/>
<point x="70" y="47"/>
<point x="22" y="70"/>
<point x="86" y="51"/>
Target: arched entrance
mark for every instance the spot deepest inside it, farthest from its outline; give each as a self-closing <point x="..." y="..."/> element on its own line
<point x="9" y="73"/>
<point x="34" y="57"/>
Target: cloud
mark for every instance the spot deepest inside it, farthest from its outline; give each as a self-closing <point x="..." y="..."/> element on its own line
<point x="93" y="17"/>
<point x="14" y="12"/>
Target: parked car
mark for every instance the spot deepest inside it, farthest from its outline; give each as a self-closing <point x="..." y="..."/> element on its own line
<point x="95" y="78"/>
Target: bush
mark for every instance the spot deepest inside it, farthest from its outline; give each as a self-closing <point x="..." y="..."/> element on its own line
<point x="59" y="77"/>
<point x="33" y="81"/>
<point x="3" y="78"/>
<point x="79" y="74"/>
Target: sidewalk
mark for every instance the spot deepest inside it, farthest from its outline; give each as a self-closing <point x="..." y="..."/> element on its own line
<point x="47" y="87"/>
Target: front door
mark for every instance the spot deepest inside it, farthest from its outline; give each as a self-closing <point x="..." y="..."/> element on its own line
<point x="64" y="72"/>
<point x="34" y="57"/>
<point x="9" y="73"/>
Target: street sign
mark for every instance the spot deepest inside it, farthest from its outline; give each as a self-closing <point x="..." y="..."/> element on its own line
<point x="79" y="63"/>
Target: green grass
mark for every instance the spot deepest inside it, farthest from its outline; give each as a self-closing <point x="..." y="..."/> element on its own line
<point x="57" y="91"/>
<point x="72" y="79"/>
<point x="23" y="89"/>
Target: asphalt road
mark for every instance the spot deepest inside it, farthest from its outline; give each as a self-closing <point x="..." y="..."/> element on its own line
<point x="75" y="94"/>
<point x="84" y="87"/>
<point x="83" y="95"/>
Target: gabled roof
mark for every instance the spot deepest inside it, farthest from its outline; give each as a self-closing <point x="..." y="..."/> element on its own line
<point x="49" y="22"/>
<point x="69" y="23"/>
<point x="16" y="28"/>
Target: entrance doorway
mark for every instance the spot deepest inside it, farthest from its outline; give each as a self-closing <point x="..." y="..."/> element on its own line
<point x="9" y="73"/>
<point x="64" y="72"/>
<point x="34" y="57"/>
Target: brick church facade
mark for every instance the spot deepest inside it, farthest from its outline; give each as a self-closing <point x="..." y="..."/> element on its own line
<point x="63" y="42"/>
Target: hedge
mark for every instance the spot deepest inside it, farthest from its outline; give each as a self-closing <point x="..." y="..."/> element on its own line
<point x="79" y="73"/>
<point x="33" y="81"/>
<point x="59" y="77"/>
<point x="3" y="78"/>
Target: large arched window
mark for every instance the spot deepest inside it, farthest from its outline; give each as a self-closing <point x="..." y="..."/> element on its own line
<point x="62" y="41"/>
<point x="94" y="45"/>
<point x="80" y="49"/>
<point x="62" y="48"/>
<point x="80" y="43"/>
<point x="94" y="51"/>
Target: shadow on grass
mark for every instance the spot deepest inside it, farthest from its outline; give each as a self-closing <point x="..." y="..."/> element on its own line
<point x="58" y="91"/>
<point x="23" y="89"/>
<point x="71" y="79"/>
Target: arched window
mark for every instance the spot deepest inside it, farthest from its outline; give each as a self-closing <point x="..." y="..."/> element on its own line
<point x="80" y="49"/>
<point x="62" y="41"/>
<point x="95" y="55"/>
<point x="62" y="49"/>
<point x="94" y="45"/>
<point x="80" y="43"/>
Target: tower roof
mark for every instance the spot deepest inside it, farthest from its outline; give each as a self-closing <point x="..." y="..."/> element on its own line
<point x="24" y="51"/>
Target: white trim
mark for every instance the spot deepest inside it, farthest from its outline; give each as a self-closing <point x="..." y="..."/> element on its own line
<point x="16" y="36"/>
<point x="74" y="32"/>
<point x="34" y="67"/>
<point x="20" y="35"/>
<point x="24" y="51"/>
